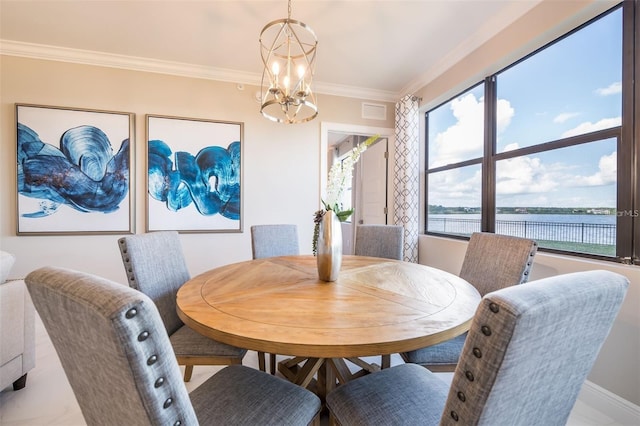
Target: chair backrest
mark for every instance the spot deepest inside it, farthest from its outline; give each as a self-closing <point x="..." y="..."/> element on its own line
<point x="274" y="240"/>
<point x="155" y="265"/>
<point x="494" y="261"/>
<point x="113" y="347"/>
<point x="386" y="241"/>
<point x="530" y="348"/>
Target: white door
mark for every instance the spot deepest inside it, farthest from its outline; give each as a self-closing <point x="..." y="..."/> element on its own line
<point x="371" y="185"/>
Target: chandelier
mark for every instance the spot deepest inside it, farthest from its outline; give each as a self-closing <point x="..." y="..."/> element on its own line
<point x="288" y="51"/>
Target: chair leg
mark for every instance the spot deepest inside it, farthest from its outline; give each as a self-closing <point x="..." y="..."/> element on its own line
<point x="20" y="383"/>
<point x="332" y="420"/>
<point x="272" y="363"/>
<point x="261" y="361"/>
<point x="316" y="420"/>
<point x="385" y="362"/>
<point x="188" y="370"/>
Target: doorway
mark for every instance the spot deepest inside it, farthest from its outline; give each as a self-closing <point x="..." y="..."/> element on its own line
<point x="371" y="190"/>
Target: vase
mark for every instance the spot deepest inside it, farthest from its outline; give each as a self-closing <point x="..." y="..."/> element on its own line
<point x="329" y="252"/>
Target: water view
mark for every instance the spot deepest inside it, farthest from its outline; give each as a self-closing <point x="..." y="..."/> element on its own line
<point x="586" y="233"/>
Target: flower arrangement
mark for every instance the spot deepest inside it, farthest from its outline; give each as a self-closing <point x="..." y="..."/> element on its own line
<point x="340" y="175"/>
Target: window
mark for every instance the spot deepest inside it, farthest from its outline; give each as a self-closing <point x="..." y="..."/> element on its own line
<point x="537" y="149"/>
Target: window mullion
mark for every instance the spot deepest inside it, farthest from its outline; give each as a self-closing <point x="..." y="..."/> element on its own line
<point x="488" y="223"/>
<point x="631" y="120"/>
<point x="626" y="182"/>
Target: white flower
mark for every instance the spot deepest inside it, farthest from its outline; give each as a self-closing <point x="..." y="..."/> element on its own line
<point x="341" y="174"/>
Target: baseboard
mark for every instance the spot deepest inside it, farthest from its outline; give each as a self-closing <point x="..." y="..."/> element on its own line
<point x="610" y="404"/>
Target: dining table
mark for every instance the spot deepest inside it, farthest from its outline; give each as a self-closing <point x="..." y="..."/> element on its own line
<point x="376" y="307"/>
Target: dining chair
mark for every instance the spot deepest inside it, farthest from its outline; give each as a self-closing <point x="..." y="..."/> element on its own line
<point x="116" y="353"/>
<point x="528" y="352"/>
<point x="386" y="241"/>
<point x="271" y="241"/>
<point x="274" y="240"/>
<point x="155" y="265"/>
<point x="491" y="262"/>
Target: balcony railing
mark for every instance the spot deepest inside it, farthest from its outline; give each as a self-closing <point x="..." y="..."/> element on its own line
<point x="582" y="233"/>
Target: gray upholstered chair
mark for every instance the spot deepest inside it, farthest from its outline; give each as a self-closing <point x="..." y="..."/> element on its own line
<point x="386" y="241"/>
<point x="155" y="265"/>
<point x="271" y="241"/>
<point x="116" y="353"/>
<point x="491" y="262"/>
<point x="528" y="352"/>
<point x="274" y="240"/>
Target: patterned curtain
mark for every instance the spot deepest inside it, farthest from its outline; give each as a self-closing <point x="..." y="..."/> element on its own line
<point x="406" y="176"/>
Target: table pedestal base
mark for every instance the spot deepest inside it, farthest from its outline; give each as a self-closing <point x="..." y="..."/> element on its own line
<point x="322" y="375"/>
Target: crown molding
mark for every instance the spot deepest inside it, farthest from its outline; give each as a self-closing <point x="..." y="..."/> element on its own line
<point x="498" y="23"/>
<point x="87" y="57"/>
<point x="356" y="92"/>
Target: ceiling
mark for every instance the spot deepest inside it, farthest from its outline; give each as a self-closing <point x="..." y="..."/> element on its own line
<point x="372" y="49"/>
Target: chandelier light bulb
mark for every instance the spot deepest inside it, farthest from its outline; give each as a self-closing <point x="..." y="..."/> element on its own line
<point x="288" y="99"/>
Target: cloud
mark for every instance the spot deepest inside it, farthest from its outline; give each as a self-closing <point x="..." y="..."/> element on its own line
<point x="561" y="118"/>
<point x="455" y="188"/>
<point x="505" y="113"/>
<point x="511" y="146"/>
<point x="464" y="139"/>
<point x="588" y="126"/>
<point x="524" y="175"/>
<point x="612" y="89"/>
<point x="606" y="174"/>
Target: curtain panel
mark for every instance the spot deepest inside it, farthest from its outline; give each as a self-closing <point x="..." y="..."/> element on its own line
<point x="406" y="179"/>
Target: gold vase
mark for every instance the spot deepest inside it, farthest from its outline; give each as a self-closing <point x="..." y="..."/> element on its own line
<point x="329" y="254"/>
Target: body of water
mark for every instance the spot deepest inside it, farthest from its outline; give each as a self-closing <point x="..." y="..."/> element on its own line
<point x="587" y="229"/>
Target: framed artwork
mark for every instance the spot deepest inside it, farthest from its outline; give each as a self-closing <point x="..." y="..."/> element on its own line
<point x="73" y="171"/>
<point x="194" y="175"/>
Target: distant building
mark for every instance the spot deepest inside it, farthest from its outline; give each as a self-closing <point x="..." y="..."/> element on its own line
<point x="598" y="211"/>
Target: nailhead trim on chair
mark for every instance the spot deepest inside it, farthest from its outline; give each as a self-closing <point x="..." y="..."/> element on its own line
<point x="153" y="359"/>
<point x="127" y="262"/>
<point x="478" y="354"/>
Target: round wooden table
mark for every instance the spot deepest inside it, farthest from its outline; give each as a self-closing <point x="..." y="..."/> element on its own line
<point x="376" y="307"/>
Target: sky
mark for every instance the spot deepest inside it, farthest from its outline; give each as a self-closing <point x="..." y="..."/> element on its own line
<point x="571" y="88"/>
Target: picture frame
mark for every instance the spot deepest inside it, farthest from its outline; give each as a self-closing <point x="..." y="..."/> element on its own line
<point x="194" y="174"/>
<point x="74" y="170"/>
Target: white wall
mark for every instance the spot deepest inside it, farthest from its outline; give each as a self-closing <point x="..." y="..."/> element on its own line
<point x="281" y="162"/>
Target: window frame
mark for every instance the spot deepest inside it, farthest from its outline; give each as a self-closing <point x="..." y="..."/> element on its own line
<point x="626" y="134"/>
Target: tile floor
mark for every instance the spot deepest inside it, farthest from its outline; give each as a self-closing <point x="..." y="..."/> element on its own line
<point x="48" y="399"/>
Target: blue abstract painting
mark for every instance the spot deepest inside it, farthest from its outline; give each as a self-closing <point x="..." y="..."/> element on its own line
<point x="194" y="175"/>
<point x="73" y="179"/>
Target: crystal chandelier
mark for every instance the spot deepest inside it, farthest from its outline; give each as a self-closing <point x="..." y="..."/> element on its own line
<point x="288" y="51"/>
